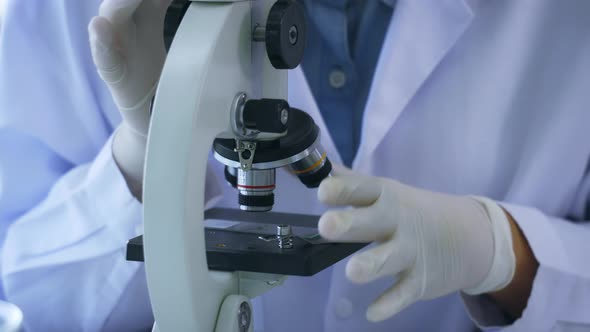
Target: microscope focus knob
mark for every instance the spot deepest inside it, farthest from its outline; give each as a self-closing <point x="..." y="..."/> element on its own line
<point x="286" y="34"/>
<point x="174" y="16"/>
<point x="266" y="115"/>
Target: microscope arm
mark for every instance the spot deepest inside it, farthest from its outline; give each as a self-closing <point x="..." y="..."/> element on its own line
<point x="208" y="64"/>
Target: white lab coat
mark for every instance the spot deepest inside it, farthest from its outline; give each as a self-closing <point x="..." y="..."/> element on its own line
<point x="469" y="97"/>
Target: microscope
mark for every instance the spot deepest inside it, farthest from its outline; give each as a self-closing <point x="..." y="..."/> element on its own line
<point x="223" y="92"/>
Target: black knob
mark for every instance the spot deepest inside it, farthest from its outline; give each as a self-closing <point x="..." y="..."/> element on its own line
<point x="266" y="115"/>
<point x="174" y="16"/>
<point x="286" y="34"/>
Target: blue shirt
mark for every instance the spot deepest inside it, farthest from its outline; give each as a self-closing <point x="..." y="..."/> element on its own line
<point x="344" y="43"/>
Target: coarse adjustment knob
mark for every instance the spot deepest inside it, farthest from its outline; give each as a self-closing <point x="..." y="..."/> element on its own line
<point x="266" y="115"/>
<point x="174" y="16"/>
<point x="286" y="34"/>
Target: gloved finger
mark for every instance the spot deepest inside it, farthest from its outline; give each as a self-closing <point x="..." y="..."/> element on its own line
<point x="149" y="19"/>
<point x="355" y="190"/>
<point x="108" y="60"/>
<point x="152" y="12"/>
<point x="355" y="225"/>
<point x="386" y="259"/>
<point x="395" y="299"/>
<point x="118" y="12"/>
<point x="341" y="170"/>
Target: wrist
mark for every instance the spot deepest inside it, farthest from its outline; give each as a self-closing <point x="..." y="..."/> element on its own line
<point x="513" y="297"/>
<point x="128" y="149"/>
<point x="137" y="117"/>
<point x="503" y="263"/>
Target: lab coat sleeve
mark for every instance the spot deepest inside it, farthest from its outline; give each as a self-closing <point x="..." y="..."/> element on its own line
<point x="560" y="296"/>
<point x="63" y="260"/>
<point x="66" y="213"/>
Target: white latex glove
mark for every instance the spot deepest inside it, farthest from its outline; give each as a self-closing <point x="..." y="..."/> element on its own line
<point x="128" y="50"/>
<point x="433" y="243"/>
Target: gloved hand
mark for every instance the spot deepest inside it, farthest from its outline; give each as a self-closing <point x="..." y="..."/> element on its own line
<point x="127" y="46"/>
<point x="434" y="243"/>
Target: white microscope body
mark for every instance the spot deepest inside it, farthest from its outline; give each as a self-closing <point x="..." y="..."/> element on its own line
<point x="211" y="61"/>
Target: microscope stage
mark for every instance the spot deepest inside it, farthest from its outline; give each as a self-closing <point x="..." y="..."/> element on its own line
<point x="246" y="241"/>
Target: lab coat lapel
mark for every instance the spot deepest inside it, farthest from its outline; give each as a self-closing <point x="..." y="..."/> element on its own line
<point x="300" y="96"/>
<point x="420" y="35"/>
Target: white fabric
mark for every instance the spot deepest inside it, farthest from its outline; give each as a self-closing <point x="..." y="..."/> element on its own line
<point x="436" y="243"/>
<point x="474" y="97"/>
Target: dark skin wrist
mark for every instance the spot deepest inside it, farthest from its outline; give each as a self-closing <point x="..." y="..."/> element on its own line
<point x="514" y="297"/>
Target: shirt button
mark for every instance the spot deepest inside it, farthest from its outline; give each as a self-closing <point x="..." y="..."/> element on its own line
<point x="343" y="308"/>
<point x="337" y="78"/>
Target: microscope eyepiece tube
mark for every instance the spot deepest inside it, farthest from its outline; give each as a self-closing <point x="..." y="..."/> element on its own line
<point x="256" y="189"/>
